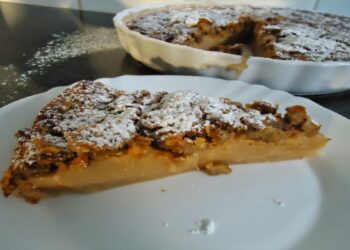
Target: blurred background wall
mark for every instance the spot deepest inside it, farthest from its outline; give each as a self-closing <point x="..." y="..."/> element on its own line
<point x="341" y="7"/>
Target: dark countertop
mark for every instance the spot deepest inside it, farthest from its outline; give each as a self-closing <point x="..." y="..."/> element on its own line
<point x="43" y="47"/>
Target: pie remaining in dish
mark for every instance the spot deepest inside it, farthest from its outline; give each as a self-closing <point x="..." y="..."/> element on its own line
<point x="279" y="33"/>
<point x="92" y="137"/>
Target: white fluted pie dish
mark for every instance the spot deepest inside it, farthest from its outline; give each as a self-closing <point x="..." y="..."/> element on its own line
<point x="303" y="77"/>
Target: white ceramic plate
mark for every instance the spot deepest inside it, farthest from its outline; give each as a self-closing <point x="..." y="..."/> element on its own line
<point x="294" y="76"/>
<point x="314" y="193"/>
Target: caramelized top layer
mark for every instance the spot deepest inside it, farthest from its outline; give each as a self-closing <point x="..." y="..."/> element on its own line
<point x="317" y="36"/>
<point x="89" y="119"/>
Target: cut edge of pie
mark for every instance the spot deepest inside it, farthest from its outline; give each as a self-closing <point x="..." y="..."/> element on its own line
<point x="92" y="137"/>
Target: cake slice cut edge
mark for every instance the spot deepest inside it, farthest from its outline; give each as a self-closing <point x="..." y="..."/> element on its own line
<point x="92" y="137"/>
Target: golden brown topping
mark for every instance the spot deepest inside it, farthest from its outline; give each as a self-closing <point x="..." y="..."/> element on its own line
<point x="296" y="115"/>
<point x="263" y="106"/>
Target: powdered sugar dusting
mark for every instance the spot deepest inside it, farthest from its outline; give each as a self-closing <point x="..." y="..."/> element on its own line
<point x="64" y="46"/>
<point x="305" y="40"/>
<point x="177" y="112"/>
<point x="112" y="133"/>
<point x="102" y="116"/>
<point x="54" y="140"/>
<point x="187" y="111"/>
<point x="94" y="114"/>
<point x="36" y="147"/>
<point x="232" y="115"/>
<point x="60" y="48"/>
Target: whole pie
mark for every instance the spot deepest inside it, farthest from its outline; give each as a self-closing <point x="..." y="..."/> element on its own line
<point x="93" y="137"/>
<point x="279" y="33"/>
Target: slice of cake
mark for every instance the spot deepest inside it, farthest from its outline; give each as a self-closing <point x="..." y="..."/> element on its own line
<point x="92" y="137"/>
